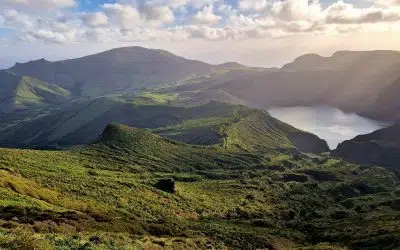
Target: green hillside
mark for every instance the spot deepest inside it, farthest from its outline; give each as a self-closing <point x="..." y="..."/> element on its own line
<point x="229" y="126"/>
<point x="19" y="92"/>
<point x="103" y="196"/>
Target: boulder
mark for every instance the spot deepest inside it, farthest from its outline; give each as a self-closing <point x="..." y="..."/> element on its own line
<point x="166" y="185"/>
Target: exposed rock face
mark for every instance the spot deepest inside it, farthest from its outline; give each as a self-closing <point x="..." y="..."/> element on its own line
<point x="381" y="147"/>
<point x="166" y="185"/>
<point x="308" y="143"/>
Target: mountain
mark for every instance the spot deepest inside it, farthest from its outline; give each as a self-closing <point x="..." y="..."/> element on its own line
<point x="345" y="61"/>
<point x="18" y="92"/>
<point x="233" y="126"/>
<point x="381" y="148"/>
<point x="364" y="82"/>
<point x="354" y="81"/>
<point x="118" y="70"/>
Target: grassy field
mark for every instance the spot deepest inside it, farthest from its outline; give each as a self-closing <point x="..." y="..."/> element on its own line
<point x="242" y="196"/>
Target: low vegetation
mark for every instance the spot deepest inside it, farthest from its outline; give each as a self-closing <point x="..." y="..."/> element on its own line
<point x="242" y="196"/>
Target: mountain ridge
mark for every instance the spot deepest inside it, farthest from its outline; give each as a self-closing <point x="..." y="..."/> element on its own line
<point x="128" y="68"/>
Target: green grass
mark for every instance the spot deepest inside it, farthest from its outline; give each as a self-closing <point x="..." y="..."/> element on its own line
<point x="103" y="197"/>
<point x="34" y="91"/>
<point x="159" y="98"/>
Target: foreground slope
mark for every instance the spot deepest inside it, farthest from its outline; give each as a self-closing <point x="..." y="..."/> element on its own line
<point x="18" y="92"/>
<point x="103" y="197"/>
<point x="381" y="147"/>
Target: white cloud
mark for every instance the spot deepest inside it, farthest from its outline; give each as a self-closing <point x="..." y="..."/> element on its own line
<point x="125" y="16"/>
<point x="41" y="3"/>
<point x="344" y="13"/>
<point x="95" y="19"/>
<point x="18" y="20"/>
<point x="157" y="15"/>
<point x="206" y="16"/>
<point x="175" y="20"/>
<point x="297" y="9"/>
<point x="256" y="5"/>
<point x="52" y="36"/>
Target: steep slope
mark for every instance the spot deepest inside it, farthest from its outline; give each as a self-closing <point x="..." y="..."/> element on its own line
<point x="381" y="148"/>
<point x="117" y="70"/>
<point x="19" y="92"/>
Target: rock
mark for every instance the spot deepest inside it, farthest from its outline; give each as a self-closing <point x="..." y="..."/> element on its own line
<point x="167" y="185"/>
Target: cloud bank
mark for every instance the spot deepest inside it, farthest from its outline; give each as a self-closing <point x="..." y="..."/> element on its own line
<point x="30" y="20"/>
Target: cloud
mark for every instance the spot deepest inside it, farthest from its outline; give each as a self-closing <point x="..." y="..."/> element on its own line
<point x="17" y="20"/>
<point x="206" y="16"/>
<point x="157" y="15"/>
<point x="297" y="9"/>
<point x="252" y="5"/>
<point x="41" y="3"/>
<point x="51" y="36"/>
<point x="176" y="20"/>
<point x="343" y="13"/>
<point x="125" y="16"/>
<point x="95" y="19"/>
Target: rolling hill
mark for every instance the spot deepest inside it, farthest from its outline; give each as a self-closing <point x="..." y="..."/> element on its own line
<point x="19" y="92"/>
<point x="79" y="123"/>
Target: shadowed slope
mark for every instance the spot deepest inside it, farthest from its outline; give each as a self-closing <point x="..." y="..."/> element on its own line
<point x="381" y="147"/>
<point x="18" y="92"/>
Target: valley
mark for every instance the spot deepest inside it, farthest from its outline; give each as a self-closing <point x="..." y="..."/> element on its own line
<point x="134" y="148"/>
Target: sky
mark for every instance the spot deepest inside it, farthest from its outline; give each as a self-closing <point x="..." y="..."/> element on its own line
<point x="253" y="32"/>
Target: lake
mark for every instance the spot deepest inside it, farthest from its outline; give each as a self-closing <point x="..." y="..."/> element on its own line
<point x="329" y="123"/>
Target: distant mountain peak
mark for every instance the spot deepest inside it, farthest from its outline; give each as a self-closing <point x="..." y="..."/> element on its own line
<point x="38" y="61"/>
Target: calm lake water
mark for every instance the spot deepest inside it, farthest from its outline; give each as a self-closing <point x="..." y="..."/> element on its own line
<point x="330" y="124"/>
